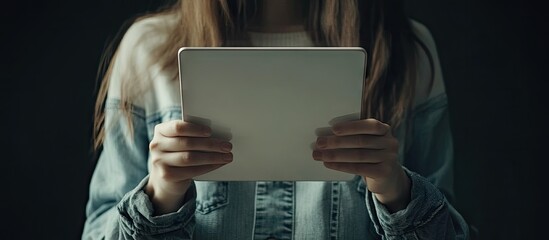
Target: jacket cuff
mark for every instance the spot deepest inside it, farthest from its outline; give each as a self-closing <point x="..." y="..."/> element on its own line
<point x="426" y="202"/>
<point x="136" y="213"/>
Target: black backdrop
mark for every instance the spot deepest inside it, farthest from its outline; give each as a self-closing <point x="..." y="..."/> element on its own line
<point x="492" y="53"/>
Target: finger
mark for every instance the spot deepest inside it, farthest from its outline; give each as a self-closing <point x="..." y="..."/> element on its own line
<point x="345" y="118"/>
<point x="357" y="155"/>
<point x="369" y="170"/>
<point x="185" y="159"/>
<point x="364" y="126"/>
<point x="355" y="141"/>
<point x="174" y="174"/>
<point x="180" y="128"/>
<point x="178" y="144"/>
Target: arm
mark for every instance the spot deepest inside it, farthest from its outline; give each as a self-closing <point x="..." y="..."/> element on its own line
<point x="428" y="160"/>
<point x="142" y="188"/>
<point x="403" y="204"/>
<point x="429" y="165"/>
<point x="118" y="208"/>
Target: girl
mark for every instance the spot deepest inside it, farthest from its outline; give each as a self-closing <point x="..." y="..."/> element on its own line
<point x="142" y="186"/>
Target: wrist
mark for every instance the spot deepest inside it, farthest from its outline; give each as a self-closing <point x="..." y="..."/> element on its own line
<point x="397" y="197"/>
<point x="166" y="202"/>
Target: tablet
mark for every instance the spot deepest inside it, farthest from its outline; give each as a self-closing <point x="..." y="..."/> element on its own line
<point x="272" y="104"/>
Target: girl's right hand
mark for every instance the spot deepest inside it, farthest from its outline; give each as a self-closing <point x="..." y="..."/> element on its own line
<point x="180" y="151"/>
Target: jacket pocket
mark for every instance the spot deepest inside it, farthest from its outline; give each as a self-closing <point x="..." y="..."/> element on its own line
<point x="210" y="196"/>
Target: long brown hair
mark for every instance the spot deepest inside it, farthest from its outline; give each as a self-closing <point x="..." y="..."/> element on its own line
<point x="379" y="26"/>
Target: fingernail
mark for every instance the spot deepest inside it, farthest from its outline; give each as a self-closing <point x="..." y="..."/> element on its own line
<point x="227" y="147"/>
<point x="228" y="157"/>
<point x="337" y="129"/>
<point x="317" y="155"/>
<point x="321" y="142"/>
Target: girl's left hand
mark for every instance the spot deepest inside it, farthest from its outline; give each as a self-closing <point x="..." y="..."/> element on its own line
<point x="367" y="148"/>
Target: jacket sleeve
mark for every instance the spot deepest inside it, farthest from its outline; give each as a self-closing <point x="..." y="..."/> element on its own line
<point x="117" y="207"/>
<point x="429" y="164"/>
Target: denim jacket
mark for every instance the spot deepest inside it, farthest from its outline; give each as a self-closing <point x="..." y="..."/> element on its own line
<point x="118" y="208"/>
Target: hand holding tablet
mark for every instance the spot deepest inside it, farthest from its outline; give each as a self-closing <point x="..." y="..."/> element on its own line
<point x="271" y="104"/>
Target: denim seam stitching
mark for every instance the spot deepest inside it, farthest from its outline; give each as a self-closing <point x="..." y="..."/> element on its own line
<point x="334" y="213"/>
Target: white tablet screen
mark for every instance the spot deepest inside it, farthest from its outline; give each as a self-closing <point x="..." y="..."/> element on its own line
<point x="271" y="103"/>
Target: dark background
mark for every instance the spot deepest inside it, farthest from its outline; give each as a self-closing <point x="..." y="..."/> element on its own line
<point x="492" y="54"/>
